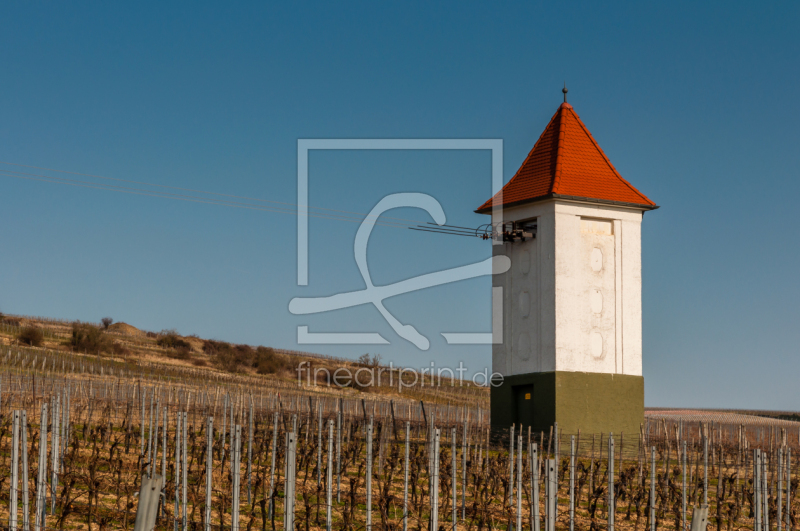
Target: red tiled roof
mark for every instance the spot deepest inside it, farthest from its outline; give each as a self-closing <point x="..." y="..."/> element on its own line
<point x="567" y="162"/>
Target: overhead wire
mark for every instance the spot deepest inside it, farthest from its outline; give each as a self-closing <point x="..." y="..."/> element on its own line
<point x="280" y="206"/>
<point x="143" y="183"/>
<point x="194" y="199"/>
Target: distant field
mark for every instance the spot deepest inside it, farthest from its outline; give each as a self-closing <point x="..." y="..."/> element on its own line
<point x="780" y="419"/>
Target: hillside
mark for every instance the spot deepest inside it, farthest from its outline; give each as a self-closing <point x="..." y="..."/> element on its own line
<point x="167" y="350"/>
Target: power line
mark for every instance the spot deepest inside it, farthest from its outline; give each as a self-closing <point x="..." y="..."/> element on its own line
<point x="280" y="207"/>
<point x="295" y="205"/>
<point x="194" y="199"/>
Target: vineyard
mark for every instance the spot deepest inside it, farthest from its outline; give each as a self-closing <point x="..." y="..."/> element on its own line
<point x="80" y="433"/>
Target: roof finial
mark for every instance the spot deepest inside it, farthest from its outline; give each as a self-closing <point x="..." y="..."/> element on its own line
<point x="564" y="90"/>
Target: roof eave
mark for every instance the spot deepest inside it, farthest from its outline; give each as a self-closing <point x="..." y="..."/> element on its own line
<point x="637" y="206"/>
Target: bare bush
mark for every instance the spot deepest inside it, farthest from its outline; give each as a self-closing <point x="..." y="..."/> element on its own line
<point x="223" y="355"/>
<point x="268" y="361"/>
<point x="372" y="362"/>
<point x="119" y="349"/>
<point x="89" y="338"/>
<point x="171" y="339"/>
<point x="30" y="335"/>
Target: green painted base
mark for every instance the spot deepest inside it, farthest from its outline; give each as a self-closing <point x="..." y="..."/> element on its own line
<point x="591" y="402"/>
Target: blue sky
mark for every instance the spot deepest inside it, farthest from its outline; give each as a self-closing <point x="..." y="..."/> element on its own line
<point x="694" y="103"/>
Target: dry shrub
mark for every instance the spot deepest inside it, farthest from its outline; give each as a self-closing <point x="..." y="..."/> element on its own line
<point x="119" y="349"/>
<point x="30" y="335"/>
<point x="365" y="383"/>
<point x="223" y="354"/>
<point x="171" y="339"/>
<point x="244" y="355"/>
<point x="177" y="348"/>
<point x="199" y="362"/>
<point x="267" y="361"/>
<point x="371" y="362"/>
<point x="90" y="339"/>
<point x="238" y="358"/>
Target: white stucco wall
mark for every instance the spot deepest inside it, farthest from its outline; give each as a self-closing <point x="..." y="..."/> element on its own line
<point x="572" y="299"/>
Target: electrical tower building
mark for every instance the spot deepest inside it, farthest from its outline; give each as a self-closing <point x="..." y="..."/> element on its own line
<point x="572" y="299"/>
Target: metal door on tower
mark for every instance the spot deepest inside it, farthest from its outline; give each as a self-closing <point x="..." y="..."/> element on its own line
<point x="523" y="400"/>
